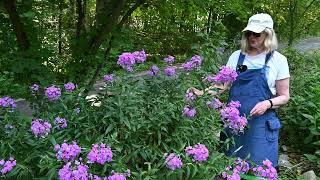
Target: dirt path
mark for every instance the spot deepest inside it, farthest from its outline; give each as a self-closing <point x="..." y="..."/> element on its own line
<point x="305" y="45"/>
<point x="312" y="43"/>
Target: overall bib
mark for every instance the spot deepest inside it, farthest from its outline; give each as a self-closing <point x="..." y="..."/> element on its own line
<point x="260" y="140"/>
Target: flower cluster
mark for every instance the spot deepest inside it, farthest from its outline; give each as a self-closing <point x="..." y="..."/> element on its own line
<point x="225" y="75"/>
<point x="169" y="59"/>
<point x="108" y="77"/>
<point x="53" y="93"/>
<point x="7" y="166"/>
<point x="140" y="56"/>
<point x="60" y="122"/>
<point x="199" y="152"/>
<point x="266" y="171"/>
<point x="69" y="87"/>
<point x="189" y="111"/>
<point x="190" y="96"/>
<point x="75" y="170"/>
<point x="67" y="152"/>
<point x="215" y="104"/>
<point x="100" y="154"/>
<point x="170" y="71"/>
<point x="40" y="128"/>
<point x="7" y="102"/>
<point x="114" y="176"/>
<point x="210" y="79"/>
<point x="240" y="167"/>
<point x="173" y="162"/>
<point x="126" y="60"/>
<point x="119" y="176"/>
<point x="154" y="70"/>
<point x="193" y="63"/>
<point x="34" y="88"/>
<point x="232" y="119"/>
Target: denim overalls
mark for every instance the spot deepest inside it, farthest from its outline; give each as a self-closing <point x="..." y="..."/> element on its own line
<point x="260" y="140"/>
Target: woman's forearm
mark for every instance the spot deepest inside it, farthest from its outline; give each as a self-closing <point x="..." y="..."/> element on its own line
<point x="279" y="101"/>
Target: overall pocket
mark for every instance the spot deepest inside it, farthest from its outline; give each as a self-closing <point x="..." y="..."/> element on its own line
<point x="272" y="129"/>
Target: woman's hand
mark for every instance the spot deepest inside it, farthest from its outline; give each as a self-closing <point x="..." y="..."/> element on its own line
<point x="260" y="108"/>
<point x="195" y="91"/>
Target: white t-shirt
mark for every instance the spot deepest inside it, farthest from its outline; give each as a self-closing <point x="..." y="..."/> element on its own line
<point x="277" y="67"/>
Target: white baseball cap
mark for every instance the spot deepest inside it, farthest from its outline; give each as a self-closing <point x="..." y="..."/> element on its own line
<point x="259" y="22"/>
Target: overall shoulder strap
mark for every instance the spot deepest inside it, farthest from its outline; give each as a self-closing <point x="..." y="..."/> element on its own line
<point x="241" y="59"/>
<point x="268" y="56"/>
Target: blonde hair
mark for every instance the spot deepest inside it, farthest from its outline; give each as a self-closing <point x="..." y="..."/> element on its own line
<point x="270" y="42"/>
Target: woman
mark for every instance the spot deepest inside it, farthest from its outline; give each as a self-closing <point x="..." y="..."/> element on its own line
<point x="262" y="86"/>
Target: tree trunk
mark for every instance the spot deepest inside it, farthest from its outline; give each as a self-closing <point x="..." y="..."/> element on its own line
<point x="292" y="9"/>
<point x="22" y="39"/>
<point x="209" y="20"/>
<point x="107" y="51"/>
<point x="104" y="25"/>
<point x="60" y="29"/>
<point x="81" y="17"/>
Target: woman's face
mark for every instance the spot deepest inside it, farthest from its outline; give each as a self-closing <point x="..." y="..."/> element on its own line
<point x="255" y="40"/>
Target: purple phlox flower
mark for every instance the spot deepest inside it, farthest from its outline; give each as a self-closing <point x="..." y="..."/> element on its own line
<point x="114" y="176"/>
<point x="190" y="96"/>
<point x="234" y="104"/>
<point x="169" y="59"/>
<point x="154" y="70"/>
<point x="198" y="152"/>
<point x="34" y="88"/>
<point x="173" y="162"/>
<point x="76" y="171"/>
<point x="215" y="104"/>
<point x="126" y="60"/>
<point x="108" y="77"/>
<point x="140" y="56"/>
<point x="210" y="79"/>
<point x="193" y="63"/>
<point x="7" y="102"/>
<point x="187" y="66"/>
<point x="170" y="71"/>
<point x="189" y="111"/>
<point x="118" y="176"/>
<point x="266" y="171"/>
<point x="197" y="60"/>
<point x="242" y="166"/>
<point x="231" y="118"/>
<point x="100" y="154"/>
<point x="225" y="75"/>
<point x="69" y="87"/>
<point x="60" y="122"/>
<point x="67" y="152"/>
<point x="233" y="176"/>
<point x="40" y="128"/>
<point x="52" y="93"/>
<point x="7" y="166"/>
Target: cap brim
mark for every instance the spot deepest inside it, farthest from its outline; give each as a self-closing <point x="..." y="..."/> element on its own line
<point x="254" y="28"/>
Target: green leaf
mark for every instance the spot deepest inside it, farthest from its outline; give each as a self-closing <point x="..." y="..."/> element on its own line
<point x="311" y="157"/>
<point x="248" y="177"/>
<point x="109" y="128"/>
<point x="308" y="116"/>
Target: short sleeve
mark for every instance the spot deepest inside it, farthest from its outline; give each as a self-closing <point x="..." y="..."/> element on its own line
<point x="283" y="68"/>
<point x="233" y="60"/>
